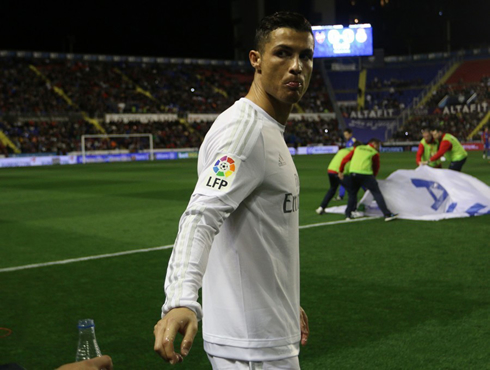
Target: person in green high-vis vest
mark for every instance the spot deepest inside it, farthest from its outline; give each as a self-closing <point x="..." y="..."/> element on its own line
<point x="450" y="148"/>
<point x="427" y="148"/>
<point x="333" y="176"/>
<point x="363" y="170"/>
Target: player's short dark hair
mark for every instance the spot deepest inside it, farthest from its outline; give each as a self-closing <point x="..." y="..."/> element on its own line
<point x="277" y="20"/>
<point x="348" y="130"/>
<point x="425" y="129"/>
<point x="438" y="129"/>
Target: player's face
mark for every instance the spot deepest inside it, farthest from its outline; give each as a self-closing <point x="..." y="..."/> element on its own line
<point x="427" y="136"/>
<point x="436" y="134"/>
<point x="286" y="64"/>
<point x="375" y="145"/>
<point x="347" y="135"/>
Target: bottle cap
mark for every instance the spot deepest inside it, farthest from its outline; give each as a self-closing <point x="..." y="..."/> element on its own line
<point x="85" y="323"/>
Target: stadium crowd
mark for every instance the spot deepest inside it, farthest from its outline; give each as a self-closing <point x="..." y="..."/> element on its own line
<point x="458" y="123"/>
<point x="310" y="132"/>
<point x="65" y="137"/>
<point x="53" y="87"/>
<point x="42" y="102"/>
<point x="376" y="83"/>
<point x="46" y="136"/>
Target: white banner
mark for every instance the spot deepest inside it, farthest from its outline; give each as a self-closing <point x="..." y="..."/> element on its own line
<point x="38" y="161"/>
<point x="429" y="194"/>
<point x="141" y="117"/>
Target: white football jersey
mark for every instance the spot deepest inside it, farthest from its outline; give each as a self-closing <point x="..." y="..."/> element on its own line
<point x="239" y="239"/>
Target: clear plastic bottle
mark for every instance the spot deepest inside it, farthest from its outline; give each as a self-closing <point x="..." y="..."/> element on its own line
<point x="87" y="343"/>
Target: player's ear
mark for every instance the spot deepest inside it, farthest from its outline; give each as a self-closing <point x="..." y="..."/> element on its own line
<point x="255" y="60"/>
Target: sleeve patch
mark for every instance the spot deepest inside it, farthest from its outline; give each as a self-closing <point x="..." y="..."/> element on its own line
<point x="221" y="174"/>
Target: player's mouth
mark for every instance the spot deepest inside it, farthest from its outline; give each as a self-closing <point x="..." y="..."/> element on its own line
<point x="294" y="85"/>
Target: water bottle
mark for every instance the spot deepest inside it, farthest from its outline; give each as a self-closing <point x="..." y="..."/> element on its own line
<point x="87" y="343"/>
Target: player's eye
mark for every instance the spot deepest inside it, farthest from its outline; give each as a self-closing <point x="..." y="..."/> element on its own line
<point x="307" y="56"/>
<point x="281" y="53"/>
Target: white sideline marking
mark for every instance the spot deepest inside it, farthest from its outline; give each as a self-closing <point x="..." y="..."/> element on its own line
<point x="73" y="260"/>
<point x="338" y="222"/>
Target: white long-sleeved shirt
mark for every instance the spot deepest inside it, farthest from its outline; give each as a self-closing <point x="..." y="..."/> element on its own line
<point x="239" y="239"/>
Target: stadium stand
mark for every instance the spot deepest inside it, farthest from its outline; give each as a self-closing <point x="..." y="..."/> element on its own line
<point x="459" y="106"/>
<point x="46" y="103"/>
<point x="392" y="86"/>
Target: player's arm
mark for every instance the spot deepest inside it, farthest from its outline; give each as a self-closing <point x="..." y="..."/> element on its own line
<point x="443" y="148"/>
<point x="376" y="165"/>
<point x="213" y="200"/>
<point x="181" y="312"/>
<point x="346" y="160"/>
<point x="420" y="153"/>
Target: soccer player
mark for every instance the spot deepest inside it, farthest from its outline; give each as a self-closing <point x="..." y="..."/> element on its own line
<point x="450" y="148"/>
<point x="427" y="148"/>
<point x="349" y="143"/>
<point x="485" y="138"/>
<point x="349" y="138"/>
<point x="363" y="171"/>
<point x="239" y="236"/>
<point x="333" y="176"/>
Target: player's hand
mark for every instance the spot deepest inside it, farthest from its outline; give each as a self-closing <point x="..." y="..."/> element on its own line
<point x="305" y="329"/>
<point x="341" y="175"/>
<point x="179" y="320"/>
<point x="424" y="163"/>
<point x="97" y="363"/>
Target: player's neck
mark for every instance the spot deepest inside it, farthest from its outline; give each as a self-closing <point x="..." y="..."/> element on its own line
<point x="276" y="109"/>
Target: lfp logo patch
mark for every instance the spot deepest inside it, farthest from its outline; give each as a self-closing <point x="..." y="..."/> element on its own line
<point x="224" y="167"/>
<point x="222" y="173"/>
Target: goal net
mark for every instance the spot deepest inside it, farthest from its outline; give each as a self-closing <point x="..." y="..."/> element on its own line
<point x="116" y="144"/>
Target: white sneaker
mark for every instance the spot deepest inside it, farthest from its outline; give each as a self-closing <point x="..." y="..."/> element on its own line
<point x="391" y="216"/>
<point x="357" y="214"/>
<point x="338" y="198"/>
<point x="320" y="211"/>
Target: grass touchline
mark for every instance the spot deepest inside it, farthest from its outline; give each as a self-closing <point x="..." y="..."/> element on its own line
<point x="96" y="257"/>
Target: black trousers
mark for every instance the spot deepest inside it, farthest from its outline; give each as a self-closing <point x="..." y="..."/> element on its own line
<point x="457" y="166"/>
<point x="334" y="184"/>
<point x="353" y="183"/>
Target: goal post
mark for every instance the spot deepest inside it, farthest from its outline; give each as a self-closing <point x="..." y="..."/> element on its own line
<point x="108" y="136"/>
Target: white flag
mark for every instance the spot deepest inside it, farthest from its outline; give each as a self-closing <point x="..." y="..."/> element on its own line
<point x="431" y="194"/>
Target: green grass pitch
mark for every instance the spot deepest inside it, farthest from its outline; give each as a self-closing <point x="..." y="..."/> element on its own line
<point x="398" y="295"/>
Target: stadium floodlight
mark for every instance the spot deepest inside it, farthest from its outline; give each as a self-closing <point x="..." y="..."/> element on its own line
<point x="107" y="136"/>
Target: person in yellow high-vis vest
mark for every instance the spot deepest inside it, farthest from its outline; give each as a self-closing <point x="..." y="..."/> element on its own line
<point x="333" y="176"/>
<point x="427" y="148"/>
<point x="450" y="148"/>
<point x="363" y="171"/>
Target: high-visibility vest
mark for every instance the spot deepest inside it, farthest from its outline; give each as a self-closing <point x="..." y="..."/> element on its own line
<point x="457" y="153"/>
<point x="429" y="151"/>
<point x="336" y="161"/>
<point x="362" y="160"/>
